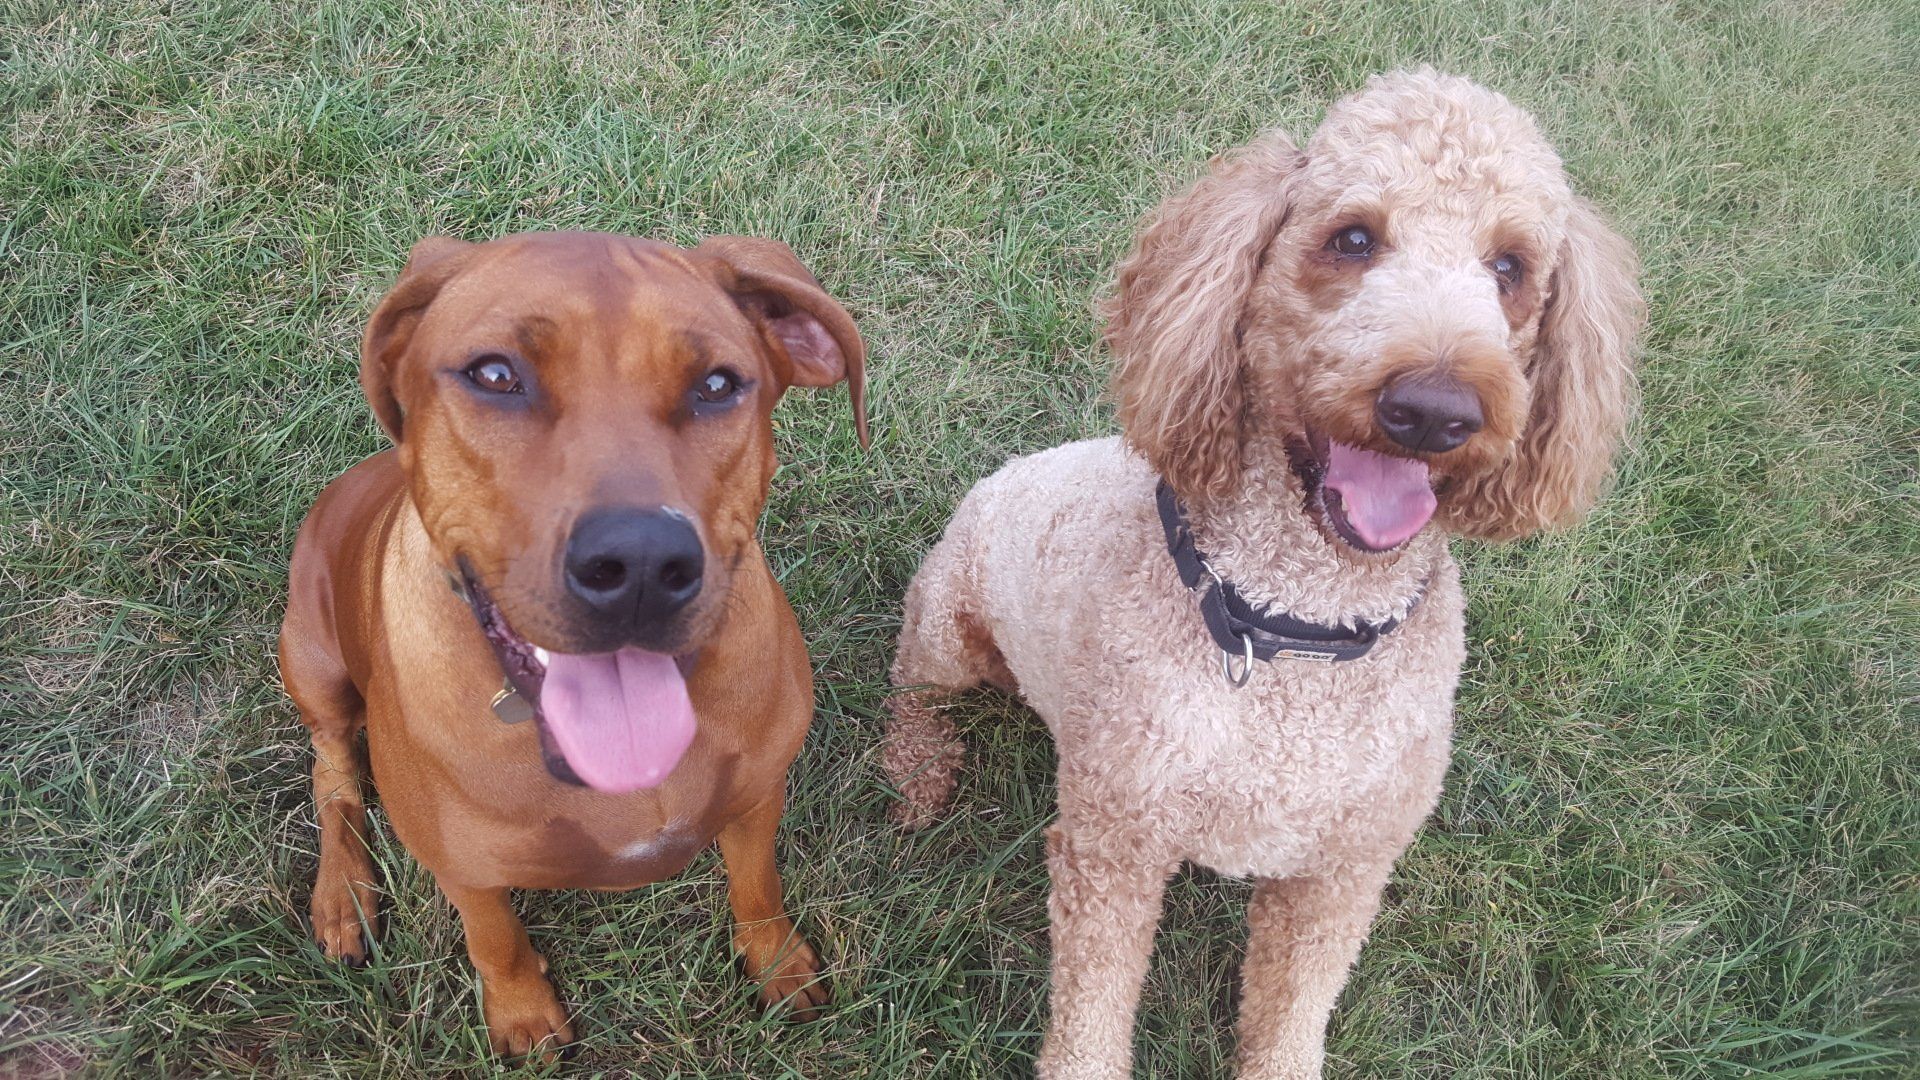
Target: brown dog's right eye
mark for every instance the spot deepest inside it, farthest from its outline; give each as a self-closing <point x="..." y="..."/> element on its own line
<point x="719" y="385"/>
<point x="495" y="375"/>
<point x="1354" y="240"/>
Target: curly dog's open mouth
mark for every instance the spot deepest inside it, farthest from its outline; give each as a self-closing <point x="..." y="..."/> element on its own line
<point x="614" y="722"/>
<point x="1374" y="502"/>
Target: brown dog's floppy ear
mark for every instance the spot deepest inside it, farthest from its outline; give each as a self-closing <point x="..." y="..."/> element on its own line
<point x="431" y="262"/>
<point x="816" y="333"/>
<point x="1583" y="391"/>
<point x="1173" y="319"/>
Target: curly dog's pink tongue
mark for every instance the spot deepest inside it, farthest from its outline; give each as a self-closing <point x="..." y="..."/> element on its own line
<point x="1384" y="499"/>
<point x="621" y="719"/>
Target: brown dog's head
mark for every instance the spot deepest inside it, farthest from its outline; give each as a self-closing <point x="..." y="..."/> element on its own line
<point x="1417" y="306"/>
<point x="585" y="424"/>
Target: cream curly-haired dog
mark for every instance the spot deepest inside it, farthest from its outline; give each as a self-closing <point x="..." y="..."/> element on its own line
<point x="1334" y="357"/>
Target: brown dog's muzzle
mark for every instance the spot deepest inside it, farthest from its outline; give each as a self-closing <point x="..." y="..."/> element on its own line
<point x="633" y="570"/>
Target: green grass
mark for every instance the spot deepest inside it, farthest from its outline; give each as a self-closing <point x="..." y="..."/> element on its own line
<point x="1681" y="837"/>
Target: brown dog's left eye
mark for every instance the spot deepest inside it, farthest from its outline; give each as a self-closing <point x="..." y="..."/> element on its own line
<point x="494" y="374"/>
<point x="719" y="385"/>
<point x="1508" y="268"/>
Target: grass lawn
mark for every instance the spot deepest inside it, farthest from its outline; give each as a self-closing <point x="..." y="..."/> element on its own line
<point x="1681" y="837"/>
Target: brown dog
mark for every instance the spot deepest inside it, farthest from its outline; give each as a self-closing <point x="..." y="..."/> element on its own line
<point x="583" y="442"/>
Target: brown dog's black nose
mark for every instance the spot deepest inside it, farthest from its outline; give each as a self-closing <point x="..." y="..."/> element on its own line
<point x="634" y="567"/>
<point x="1431" y="413"/>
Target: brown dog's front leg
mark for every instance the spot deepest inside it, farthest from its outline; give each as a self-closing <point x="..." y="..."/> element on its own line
<point x="523" y="1014"/>
<point x="775" y="954"/>
<point x="344" y="899"/>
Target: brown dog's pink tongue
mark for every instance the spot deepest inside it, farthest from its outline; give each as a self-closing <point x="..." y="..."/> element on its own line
<point x="1385" y="499"/>
<point x="621" y="719"/>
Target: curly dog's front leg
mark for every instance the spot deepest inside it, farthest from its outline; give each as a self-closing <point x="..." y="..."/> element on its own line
<point x="1104" y="909"/>
<point x="1303" y="936"/>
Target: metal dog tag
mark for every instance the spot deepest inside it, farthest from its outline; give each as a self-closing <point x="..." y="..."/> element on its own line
<point x="510" y="707"/>
<point x="1313" y="655"/>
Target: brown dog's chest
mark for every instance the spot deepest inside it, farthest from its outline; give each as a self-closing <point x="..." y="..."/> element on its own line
<point x="493" y="816"/>
<point x="470" y="795"/>
<point x="570" y="847"/>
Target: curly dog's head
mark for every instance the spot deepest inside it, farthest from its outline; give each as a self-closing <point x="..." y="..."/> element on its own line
<point x="1415" y="305"/>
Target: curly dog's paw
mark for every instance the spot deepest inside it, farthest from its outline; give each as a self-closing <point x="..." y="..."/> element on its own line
<point x="921" y="756"/>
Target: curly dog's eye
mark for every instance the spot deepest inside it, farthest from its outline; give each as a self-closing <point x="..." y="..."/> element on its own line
<point x="494" y="374"/>
<point x="1354" y="240"/>
<point x="1508" y="268"/>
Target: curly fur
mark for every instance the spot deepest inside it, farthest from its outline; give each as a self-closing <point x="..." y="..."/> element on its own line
<point x="1174" y="326"/>
<point x="1238" y="340"/>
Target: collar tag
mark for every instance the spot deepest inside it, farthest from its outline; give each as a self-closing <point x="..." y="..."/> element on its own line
<point x="1311" y="655"/>
<point x="510" y="707"/>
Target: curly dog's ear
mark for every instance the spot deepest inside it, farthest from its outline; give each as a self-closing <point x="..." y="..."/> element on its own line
<point x="1173" y="317"/>
<point x="1583" y="391"/>
<point x="431" y="263"/>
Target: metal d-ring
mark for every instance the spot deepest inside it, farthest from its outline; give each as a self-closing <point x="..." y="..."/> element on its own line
<point x="1246" y="666"/>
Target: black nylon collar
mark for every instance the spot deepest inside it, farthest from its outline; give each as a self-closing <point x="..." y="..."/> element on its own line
<point x="1239" y="629"/>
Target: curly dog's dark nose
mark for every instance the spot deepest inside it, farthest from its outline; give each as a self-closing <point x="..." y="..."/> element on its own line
<point x="1430" y="413"/>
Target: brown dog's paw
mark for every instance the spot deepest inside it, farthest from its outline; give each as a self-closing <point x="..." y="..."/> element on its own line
<point x="525" y="1017"/>
<point x="787" y="969"/>
<point x="339" y="905"/>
